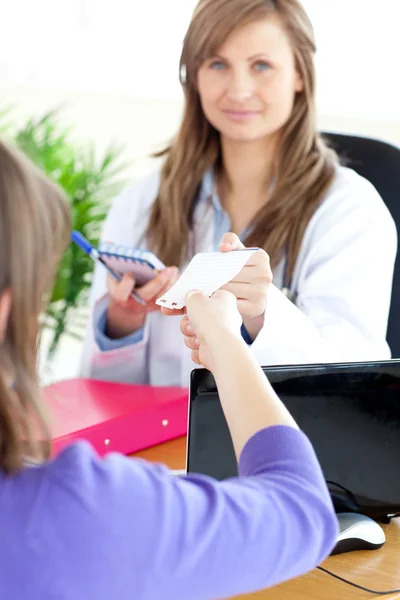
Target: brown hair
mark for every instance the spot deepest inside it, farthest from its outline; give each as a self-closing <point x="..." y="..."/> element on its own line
<point x="305" y="166"/>
<point x="34" y="230"/>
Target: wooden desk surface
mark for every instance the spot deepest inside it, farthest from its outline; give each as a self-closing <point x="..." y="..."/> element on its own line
<point x="377" y="569"/>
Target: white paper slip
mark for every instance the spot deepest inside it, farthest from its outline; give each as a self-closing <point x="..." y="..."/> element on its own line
<point x="206" y="272"/>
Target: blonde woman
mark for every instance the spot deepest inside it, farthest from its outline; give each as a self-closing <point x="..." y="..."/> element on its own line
<point x="248" y="166"/>
<point x="79" y="527"/>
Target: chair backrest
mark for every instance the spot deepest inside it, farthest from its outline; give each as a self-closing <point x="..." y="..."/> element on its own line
<point x="379" y="162"/>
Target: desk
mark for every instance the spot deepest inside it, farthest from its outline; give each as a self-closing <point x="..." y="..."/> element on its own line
<point x="378" y="569"/>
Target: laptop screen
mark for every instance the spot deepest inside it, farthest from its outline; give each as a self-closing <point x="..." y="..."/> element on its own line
<point x="350" y="412"/>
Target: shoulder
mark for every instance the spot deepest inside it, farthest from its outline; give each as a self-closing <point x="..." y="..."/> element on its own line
<point x="82" y="505"/>
<point x="139" y="195"/>
<point x="79" y="467"/>
<point x="96" y="492"/>
<point x="352" y="199"/>
<point x="130" y="211"/>
<point x="134" y="203"/>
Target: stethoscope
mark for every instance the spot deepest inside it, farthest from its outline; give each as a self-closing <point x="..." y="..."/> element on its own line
<point x="286" y="288"/>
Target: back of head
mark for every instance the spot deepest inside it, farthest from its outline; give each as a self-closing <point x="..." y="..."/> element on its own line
<point x="34" y="229"/>
<point x="304" y="166"/>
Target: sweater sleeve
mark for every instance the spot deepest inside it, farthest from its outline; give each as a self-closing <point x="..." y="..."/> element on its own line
<point x="130" y="525"/>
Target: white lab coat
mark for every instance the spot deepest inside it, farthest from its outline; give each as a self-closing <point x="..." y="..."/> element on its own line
<point x="342" y="279"/>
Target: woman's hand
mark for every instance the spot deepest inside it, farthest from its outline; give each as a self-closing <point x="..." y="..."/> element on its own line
<point x="125" y="315"/>
<point x="209" y="324"/>
<point x="250" y="286"/>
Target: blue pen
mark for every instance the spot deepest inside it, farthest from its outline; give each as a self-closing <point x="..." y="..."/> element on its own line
<point x="87" y="247"/>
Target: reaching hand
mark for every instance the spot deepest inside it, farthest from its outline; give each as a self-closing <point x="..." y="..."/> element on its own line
<point x="207" y="321"/>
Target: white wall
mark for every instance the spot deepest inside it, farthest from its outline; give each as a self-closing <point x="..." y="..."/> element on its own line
<point x="114" y="63"/>
<point x="133" y="47"/>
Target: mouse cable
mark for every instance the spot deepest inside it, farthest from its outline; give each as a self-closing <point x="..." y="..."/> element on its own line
<point x="356" y="585"/>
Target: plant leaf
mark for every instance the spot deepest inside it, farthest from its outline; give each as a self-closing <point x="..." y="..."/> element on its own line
<point x="89" y="182"/>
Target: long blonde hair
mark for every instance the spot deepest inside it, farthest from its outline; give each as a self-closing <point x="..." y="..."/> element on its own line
<point x="34" y="230"/>
<point x="305" y="165"/>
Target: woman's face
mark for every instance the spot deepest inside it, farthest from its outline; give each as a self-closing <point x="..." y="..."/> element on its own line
<point x="247" y="91"/>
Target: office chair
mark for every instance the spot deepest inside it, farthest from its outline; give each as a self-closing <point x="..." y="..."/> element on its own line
<point x="379" y="162"/>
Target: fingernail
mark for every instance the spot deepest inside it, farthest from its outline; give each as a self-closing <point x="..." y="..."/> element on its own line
<point x="189" y="329"/>
<point x="164" y="274"/>
<point x="192" y="293"/>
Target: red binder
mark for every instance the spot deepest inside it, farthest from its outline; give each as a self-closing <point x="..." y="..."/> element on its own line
<point x="115" y="416"/>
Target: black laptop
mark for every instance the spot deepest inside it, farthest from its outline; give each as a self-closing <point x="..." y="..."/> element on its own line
<point x="351" y="414"/>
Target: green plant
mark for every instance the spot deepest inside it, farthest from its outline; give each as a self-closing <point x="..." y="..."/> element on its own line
<point x="89" y="182"/>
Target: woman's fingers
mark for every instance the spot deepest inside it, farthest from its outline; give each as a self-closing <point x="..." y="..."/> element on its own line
<point x="121" y="290"/>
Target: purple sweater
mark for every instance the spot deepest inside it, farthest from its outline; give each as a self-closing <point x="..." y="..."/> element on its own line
<point x="84" y="528"/>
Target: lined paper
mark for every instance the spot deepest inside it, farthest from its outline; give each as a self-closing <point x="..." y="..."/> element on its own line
<point x="206" y="272"/>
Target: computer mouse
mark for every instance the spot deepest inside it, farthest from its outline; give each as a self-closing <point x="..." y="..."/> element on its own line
<point x="358" y="532"/>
